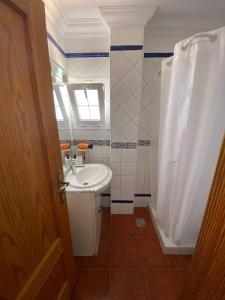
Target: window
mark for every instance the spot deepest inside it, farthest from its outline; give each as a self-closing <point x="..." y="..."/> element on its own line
<point x="60" y="110"/>
<point x="88" y="103"/>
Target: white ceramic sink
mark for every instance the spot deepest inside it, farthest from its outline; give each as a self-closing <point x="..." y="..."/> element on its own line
<point x="91" y="177"/>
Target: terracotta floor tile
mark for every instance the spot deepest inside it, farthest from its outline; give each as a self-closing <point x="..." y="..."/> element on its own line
<point x="141" y="212"/>
<point x="127" y="285"/>
<point x="148" y="230"/>
<point x="122" y="225"/>
<point x="124" y="253"/>
<point x="185" y="274"/>
<point x="152" y="255"/>
<point x="182" y="261"/>
<point x="165" y="284"/>
<point x="106" y="227"/>
<point x="116" y="272"/>
<point x="92" y="285"/>
<point x="101" y="261"/>
<point x="106" y="212"/>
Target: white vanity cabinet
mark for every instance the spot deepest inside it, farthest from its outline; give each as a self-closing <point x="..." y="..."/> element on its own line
<point x="85" y="222"/>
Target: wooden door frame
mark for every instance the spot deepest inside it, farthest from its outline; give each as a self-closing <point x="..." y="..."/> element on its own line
<point x="207" y="274"/>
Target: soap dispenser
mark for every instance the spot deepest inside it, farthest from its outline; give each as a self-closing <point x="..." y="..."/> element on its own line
<point x="67" y="161"/>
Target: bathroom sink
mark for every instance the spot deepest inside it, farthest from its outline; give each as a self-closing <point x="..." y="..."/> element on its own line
<point x="90" y="177"/>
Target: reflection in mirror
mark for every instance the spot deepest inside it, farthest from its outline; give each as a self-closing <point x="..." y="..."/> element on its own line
<point x="63" y="111"/>
<point x="82" y="107"/>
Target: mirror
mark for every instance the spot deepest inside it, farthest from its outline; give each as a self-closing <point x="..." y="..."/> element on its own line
<point x="82" y="112"/>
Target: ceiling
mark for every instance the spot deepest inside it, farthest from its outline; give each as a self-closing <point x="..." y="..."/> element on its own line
<point x="85" y="17"/>
<point x="203" y="9"/>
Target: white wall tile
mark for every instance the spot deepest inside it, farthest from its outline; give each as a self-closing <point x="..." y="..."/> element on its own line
<point x="106" y="152"/>
<point x="128" y="168"/>
<point x="129" y="156"/>
<point x="116" y="182"/>
<point x="127" y="194"/>
<point x="116" y="155"/>
<point x="115" y="194"/>
<point x="120" y="65"/>
<point x="126" y="208"/>
<point x="116" y="168"/>
<point x="138" y="202"/>
<point x="130" y="121"/>
<point x="127" y="182"/>
<point x="96" y="152"/>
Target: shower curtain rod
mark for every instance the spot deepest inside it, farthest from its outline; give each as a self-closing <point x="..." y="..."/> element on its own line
<point x="212" y="38"/>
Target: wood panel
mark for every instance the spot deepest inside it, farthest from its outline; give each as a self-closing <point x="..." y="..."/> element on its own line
<point x="33" y="222"/>
<point x="50" y="132"/>
<point x="23" y="185"/>
<point x="46" y="272"/>
<point x="54" y="283"/>
<point x="207" y="277"/>
<point x="65" y="292"/>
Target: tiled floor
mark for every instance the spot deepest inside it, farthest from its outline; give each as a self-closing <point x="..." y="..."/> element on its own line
<point x="130" y="264"/>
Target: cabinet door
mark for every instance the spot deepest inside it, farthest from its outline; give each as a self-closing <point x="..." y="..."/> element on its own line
<point x="97" y="221"/>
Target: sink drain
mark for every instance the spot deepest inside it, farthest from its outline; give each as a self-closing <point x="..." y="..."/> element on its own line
<point x="85" y="183"/>
<point x="140" y="222"/>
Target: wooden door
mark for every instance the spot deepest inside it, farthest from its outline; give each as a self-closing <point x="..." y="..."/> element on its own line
<point x="36" y="259"/>
<point x="207" y="276"/>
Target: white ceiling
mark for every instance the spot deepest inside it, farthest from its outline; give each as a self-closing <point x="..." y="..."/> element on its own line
<point x="203" y="9"/>
<point x="85" y="17"/>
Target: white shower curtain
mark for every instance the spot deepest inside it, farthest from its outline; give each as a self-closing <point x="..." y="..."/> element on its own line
<point x="192" y="125"/>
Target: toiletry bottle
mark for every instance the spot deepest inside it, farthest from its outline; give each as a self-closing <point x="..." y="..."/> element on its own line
<point x="67" y="161"/>
<point x="73" y="164"/>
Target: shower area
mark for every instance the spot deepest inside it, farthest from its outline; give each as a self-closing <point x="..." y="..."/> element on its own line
<point x="188" y="124"/>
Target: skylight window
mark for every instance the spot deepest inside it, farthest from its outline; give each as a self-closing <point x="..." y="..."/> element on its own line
<point x="88" y="103"/>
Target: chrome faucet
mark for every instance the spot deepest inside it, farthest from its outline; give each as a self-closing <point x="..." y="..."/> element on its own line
<point x="73" y="166"/>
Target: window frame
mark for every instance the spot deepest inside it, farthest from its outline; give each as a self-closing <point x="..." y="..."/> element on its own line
<point x="71" y="87"/>
<point x="65" y="121"/>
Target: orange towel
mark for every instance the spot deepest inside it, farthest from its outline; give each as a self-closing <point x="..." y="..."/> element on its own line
<point x="64" y="146"/>
<point x="83" y="146"/>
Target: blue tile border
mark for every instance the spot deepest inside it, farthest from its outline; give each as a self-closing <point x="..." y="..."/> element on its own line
<point x="87" y="54"/>
<point x="126" y="47"/>
<point x="142" y="195"/>
<point x="105" y="194"/>
<point x="122" y="201"/>
<point x="106" y="54"/>
<point x="50" y="37"/>
<point x="123" y="145"/>
<point x="143" y="142"/>
<point x="135" y="195"/>
<point x="158" y="54"/>
<point x="75" y="55"/>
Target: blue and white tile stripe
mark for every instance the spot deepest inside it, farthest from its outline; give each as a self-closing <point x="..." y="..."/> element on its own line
<point x="135" y="195"/>
<point x="106" y="54"/>
<point x="126" y="47"/>
<point x="115" y="145"/>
